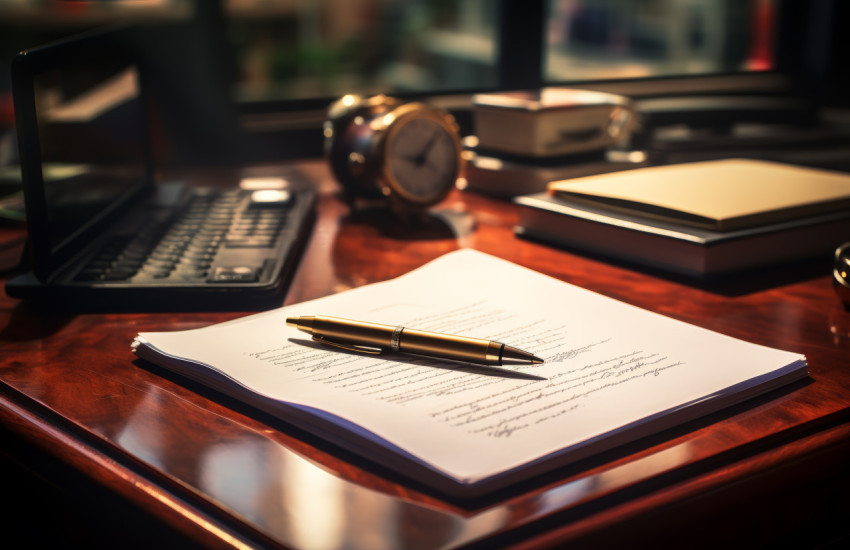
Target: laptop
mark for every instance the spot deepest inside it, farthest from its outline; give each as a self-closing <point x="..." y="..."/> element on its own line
<point x="102" y="231"/>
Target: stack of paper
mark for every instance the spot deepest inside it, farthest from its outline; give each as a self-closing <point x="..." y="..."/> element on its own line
<point x="612" y="373"/>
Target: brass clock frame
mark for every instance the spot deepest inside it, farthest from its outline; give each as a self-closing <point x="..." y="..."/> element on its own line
<point x="358" y="135"/>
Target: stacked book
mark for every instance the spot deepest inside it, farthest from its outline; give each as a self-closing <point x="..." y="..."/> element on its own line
<point x="698" y="219"/>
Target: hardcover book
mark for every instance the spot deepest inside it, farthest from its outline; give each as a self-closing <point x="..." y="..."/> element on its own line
<point x="674" y="247"/>
<point x="718" y="195"/>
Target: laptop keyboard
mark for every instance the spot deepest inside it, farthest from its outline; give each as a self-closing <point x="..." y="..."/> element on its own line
<point x="184" y="249"/>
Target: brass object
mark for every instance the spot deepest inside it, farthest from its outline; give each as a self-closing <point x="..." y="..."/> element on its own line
<point x="407" y="155"/>
<point x="368" y="337"/>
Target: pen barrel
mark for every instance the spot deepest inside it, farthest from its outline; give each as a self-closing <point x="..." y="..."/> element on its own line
<point x="446" y="346"/>
<point x="357" y="332"/>
<point x="405" y="340"/>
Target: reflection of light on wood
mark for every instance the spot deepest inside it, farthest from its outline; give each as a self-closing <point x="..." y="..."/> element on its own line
<point x="106" y="96"/>
<point x="296" y="500"/>
<point x="316" y="505"/>
<point x="644" y="468"/>
<point x="140" y="435"/>
<point x="237" y="474"/>
<point x="616" y="478"/>
<point x="143" y="436"/>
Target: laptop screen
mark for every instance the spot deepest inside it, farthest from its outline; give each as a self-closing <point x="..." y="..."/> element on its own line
<point x="84" y="127"/>
<point x="91" y="154"/>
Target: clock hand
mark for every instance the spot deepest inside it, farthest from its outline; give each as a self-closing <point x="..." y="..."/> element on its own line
<point x="430" y="145"/>
<point x="422" y="156"/>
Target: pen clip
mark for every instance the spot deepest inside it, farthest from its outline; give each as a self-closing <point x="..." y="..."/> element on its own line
<point x="349" y="347"/>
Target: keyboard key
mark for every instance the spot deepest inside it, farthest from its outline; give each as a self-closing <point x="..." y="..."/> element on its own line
<point x="250" y="242"/>
<point x="235" y="274"/>
<point x="185" y="247"/>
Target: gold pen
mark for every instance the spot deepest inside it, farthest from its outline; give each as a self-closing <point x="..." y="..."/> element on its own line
<point x="374" y="338"/>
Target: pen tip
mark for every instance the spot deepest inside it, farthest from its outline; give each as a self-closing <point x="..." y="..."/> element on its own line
<point x="512" y="355"/>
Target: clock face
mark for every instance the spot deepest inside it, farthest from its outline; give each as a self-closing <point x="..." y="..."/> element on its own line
<point x="421" y="159"/>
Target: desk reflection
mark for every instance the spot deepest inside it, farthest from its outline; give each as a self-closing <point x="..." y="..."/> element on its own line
<point x="275" y="489"/>
<point x="306" y="504"/>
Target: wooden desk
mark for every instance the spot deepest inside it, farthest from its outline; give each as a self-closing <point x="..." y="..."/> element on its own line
<point x="143" y="458"/>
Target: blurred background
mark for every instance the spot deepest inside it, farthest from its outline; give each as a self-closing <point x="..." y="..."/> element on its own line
<point x="269" y="67"/>
<point x="286" y="49"/>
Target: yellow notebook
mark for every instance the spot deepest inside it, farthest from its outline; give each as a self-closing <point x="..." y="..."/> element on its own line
<point x="720" y="195"/>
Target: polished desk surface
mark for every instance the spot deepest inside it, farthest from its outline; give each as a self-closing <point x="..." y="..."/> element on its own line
<point x="210" y="471"/>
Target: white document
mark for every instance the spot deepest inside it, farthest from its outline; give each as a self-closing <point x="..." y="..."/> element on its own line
<point x="613" y="372"/>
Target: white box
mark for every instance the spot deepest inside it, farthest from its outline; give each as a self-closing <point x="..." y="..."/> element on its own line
<point x="552" y="121"/>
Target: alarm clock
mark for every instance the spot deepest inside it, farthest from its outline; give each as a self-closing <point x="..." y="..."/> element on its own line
<point x="406" y="153"/>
